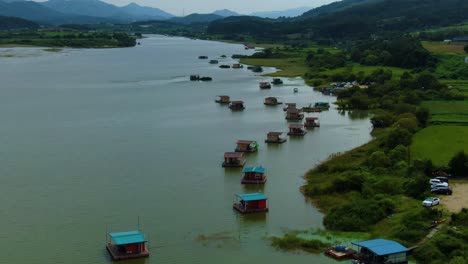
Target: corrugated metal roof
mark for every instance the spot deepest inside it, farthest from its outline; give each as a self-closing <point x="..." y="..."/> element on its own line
<point x="254" y="169"/>
<point x="245" y="141"/>
<point x="233" y="154"/>
<point x="382" y="247"/>
<point x="129" y="237"/>
<point x="252" y="196"/>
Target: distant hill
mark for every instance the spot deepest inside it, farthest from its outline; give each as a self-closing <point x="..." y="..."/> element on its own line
<point x="336" y="7"/>
<point x="225" y="13"/>
<point x="143" y="12"/>
<point x="8" y="23"/>
<point x="361" y="19"/>
<point x="93" y="8"/>
<point x="284" y="13"/>
<point x="196" y="18"/>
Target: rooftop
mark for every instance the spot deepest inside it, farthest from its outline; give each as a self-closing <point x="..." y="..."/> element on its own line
<point x="129" y="237"/>
<point x="245" y="141"/>
<point x="382" y="247"/>
<point x="296" y="125"/>
<point x="233" y="154"/>
<point x="252" y="197"/>
<point x="275" y="133"/>
<point x="254" y="169"/>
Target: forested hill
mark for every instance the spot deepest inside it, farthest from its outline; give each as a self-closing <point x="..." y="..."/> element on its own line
<point x="336" y="7"/>
<point x="7" y="23"/>
<point x="356" y="22"/>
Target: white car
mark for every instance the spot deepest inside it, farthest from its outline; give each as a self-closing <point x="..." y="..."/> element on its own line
<point x="434" y="181"/>
<point x="439" y="185"/>
<point x="431" y="201"/>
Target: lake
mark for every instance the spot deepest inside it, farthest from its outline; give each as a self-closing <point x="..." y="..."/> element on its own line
<point x="101" y="140"/>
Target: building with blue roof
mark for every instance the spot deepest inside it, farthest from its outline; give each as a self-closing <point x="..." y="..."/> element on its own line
<point x="254" y="175"/>
<point x="377" y="251"/>
<point x="251" y="203"/>
<point x="127" y="245"/>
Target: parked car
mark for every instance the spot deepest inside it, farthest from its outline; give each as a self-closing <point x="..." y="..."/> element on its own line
<point x="442" y="179"/>
<point x="442" y="184"/>
<point x="442" y="190"/>
<point x="431" y="201"/>
<point x="434" y="181"/>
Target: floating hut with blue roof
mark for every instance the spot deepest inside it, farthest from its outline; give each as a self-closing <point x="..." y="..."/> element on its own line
<point x="379" y="251"/>
<point x="254" y="175"/>
<point x="251" y="203"/>
<point x="127" y="245"/>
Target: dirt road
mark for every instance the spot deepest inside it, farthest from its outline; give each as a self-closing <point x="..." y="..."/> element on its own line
<point x="458" y="200"/>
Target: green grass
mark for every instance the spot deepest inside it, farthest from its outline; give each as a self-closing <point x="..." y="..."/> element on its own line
<point x="460" y="85"/>
<point x="452" y="67"/>
<point x="356" y="68"/>
<point x="455" y="112"/>
<point x="289" y="67"/>
<point x="439" y="143"/>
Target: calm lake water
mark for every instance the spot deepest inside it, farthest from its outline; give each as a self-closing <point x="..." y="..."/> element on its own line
<point x="92" y="140"/>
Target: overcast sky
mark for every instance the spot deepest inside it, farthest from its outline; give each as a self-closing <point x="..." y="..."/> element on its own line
<point x="176" y="7"/>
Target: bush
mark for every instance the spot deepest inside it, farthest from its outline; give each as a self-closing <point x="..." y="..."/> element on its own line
<point x="292" y="242"/>
<point x="417" y="186"/>
<point x="398" y="136"/>
<point x="399" y="153"/>
<point x="379" y="159"/>
<point x="459" y="164"/>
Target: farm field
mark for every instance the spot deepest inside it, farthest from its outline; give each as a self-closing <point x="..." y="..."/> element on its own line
<point x="455" y="112"/>
<point x="439" y="143"/>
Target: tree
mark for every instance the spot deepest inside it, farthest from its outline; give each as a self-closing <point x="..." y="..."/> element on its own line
<point x="398" y="136"/>
<point x="466" y="48"/>
<point x="459" y="164"/>
<point x="379" y="159"/>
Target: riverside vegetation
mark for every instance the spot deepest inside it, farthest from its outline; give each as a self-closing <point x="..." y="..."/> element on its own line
<point x="377" y="188"/>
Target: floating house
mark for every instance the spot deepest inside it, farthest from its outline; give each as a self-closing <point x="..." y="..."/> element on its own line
<point x="274" y="137"/>
<point x="296" y="130"/>
<point x="224" y="66"/>
<point x="264" y="85"/>
<point x="271" y="101"/>
<point x="214" y="61"/>
<point x="289" y="106"/>
<point x="381" y="251"/>
<point x="257" y="69"/>
<point x="194" y="77"/>
<point x="295" y="90"/>
<point x="236" y="105"/>
<point x="294" y="114"/>
<point x="251" y="203"/>
<point x="234" y="159"/>
<point x="311" y="109"/>
<point x="223" y="99"/>
<point x="237" y="66"/>
<point x="322" y="105"/>
<point x="277" y="81"/>
<point x="246" y="146"/>
<point x="127" y="245"/>
<point x="203" y="57"/>
<point x="311" y="122"/>
<point x="254" y="175"/>
<point x="206" y="78"/>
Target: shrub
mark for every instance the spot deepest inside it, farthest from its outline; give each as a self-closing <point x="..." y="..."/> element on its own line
<point x="379" y="159"/>
<point x="459" y="164"/>
<point x="398" y="136"/>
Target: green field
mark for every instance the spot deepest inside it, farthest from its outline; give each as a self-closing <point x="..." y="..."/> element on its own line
<point x="455" y="112"/>
<point x="356" y="68"/>
<point x="290" y="67"/>
<point x="439" y="143"/>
